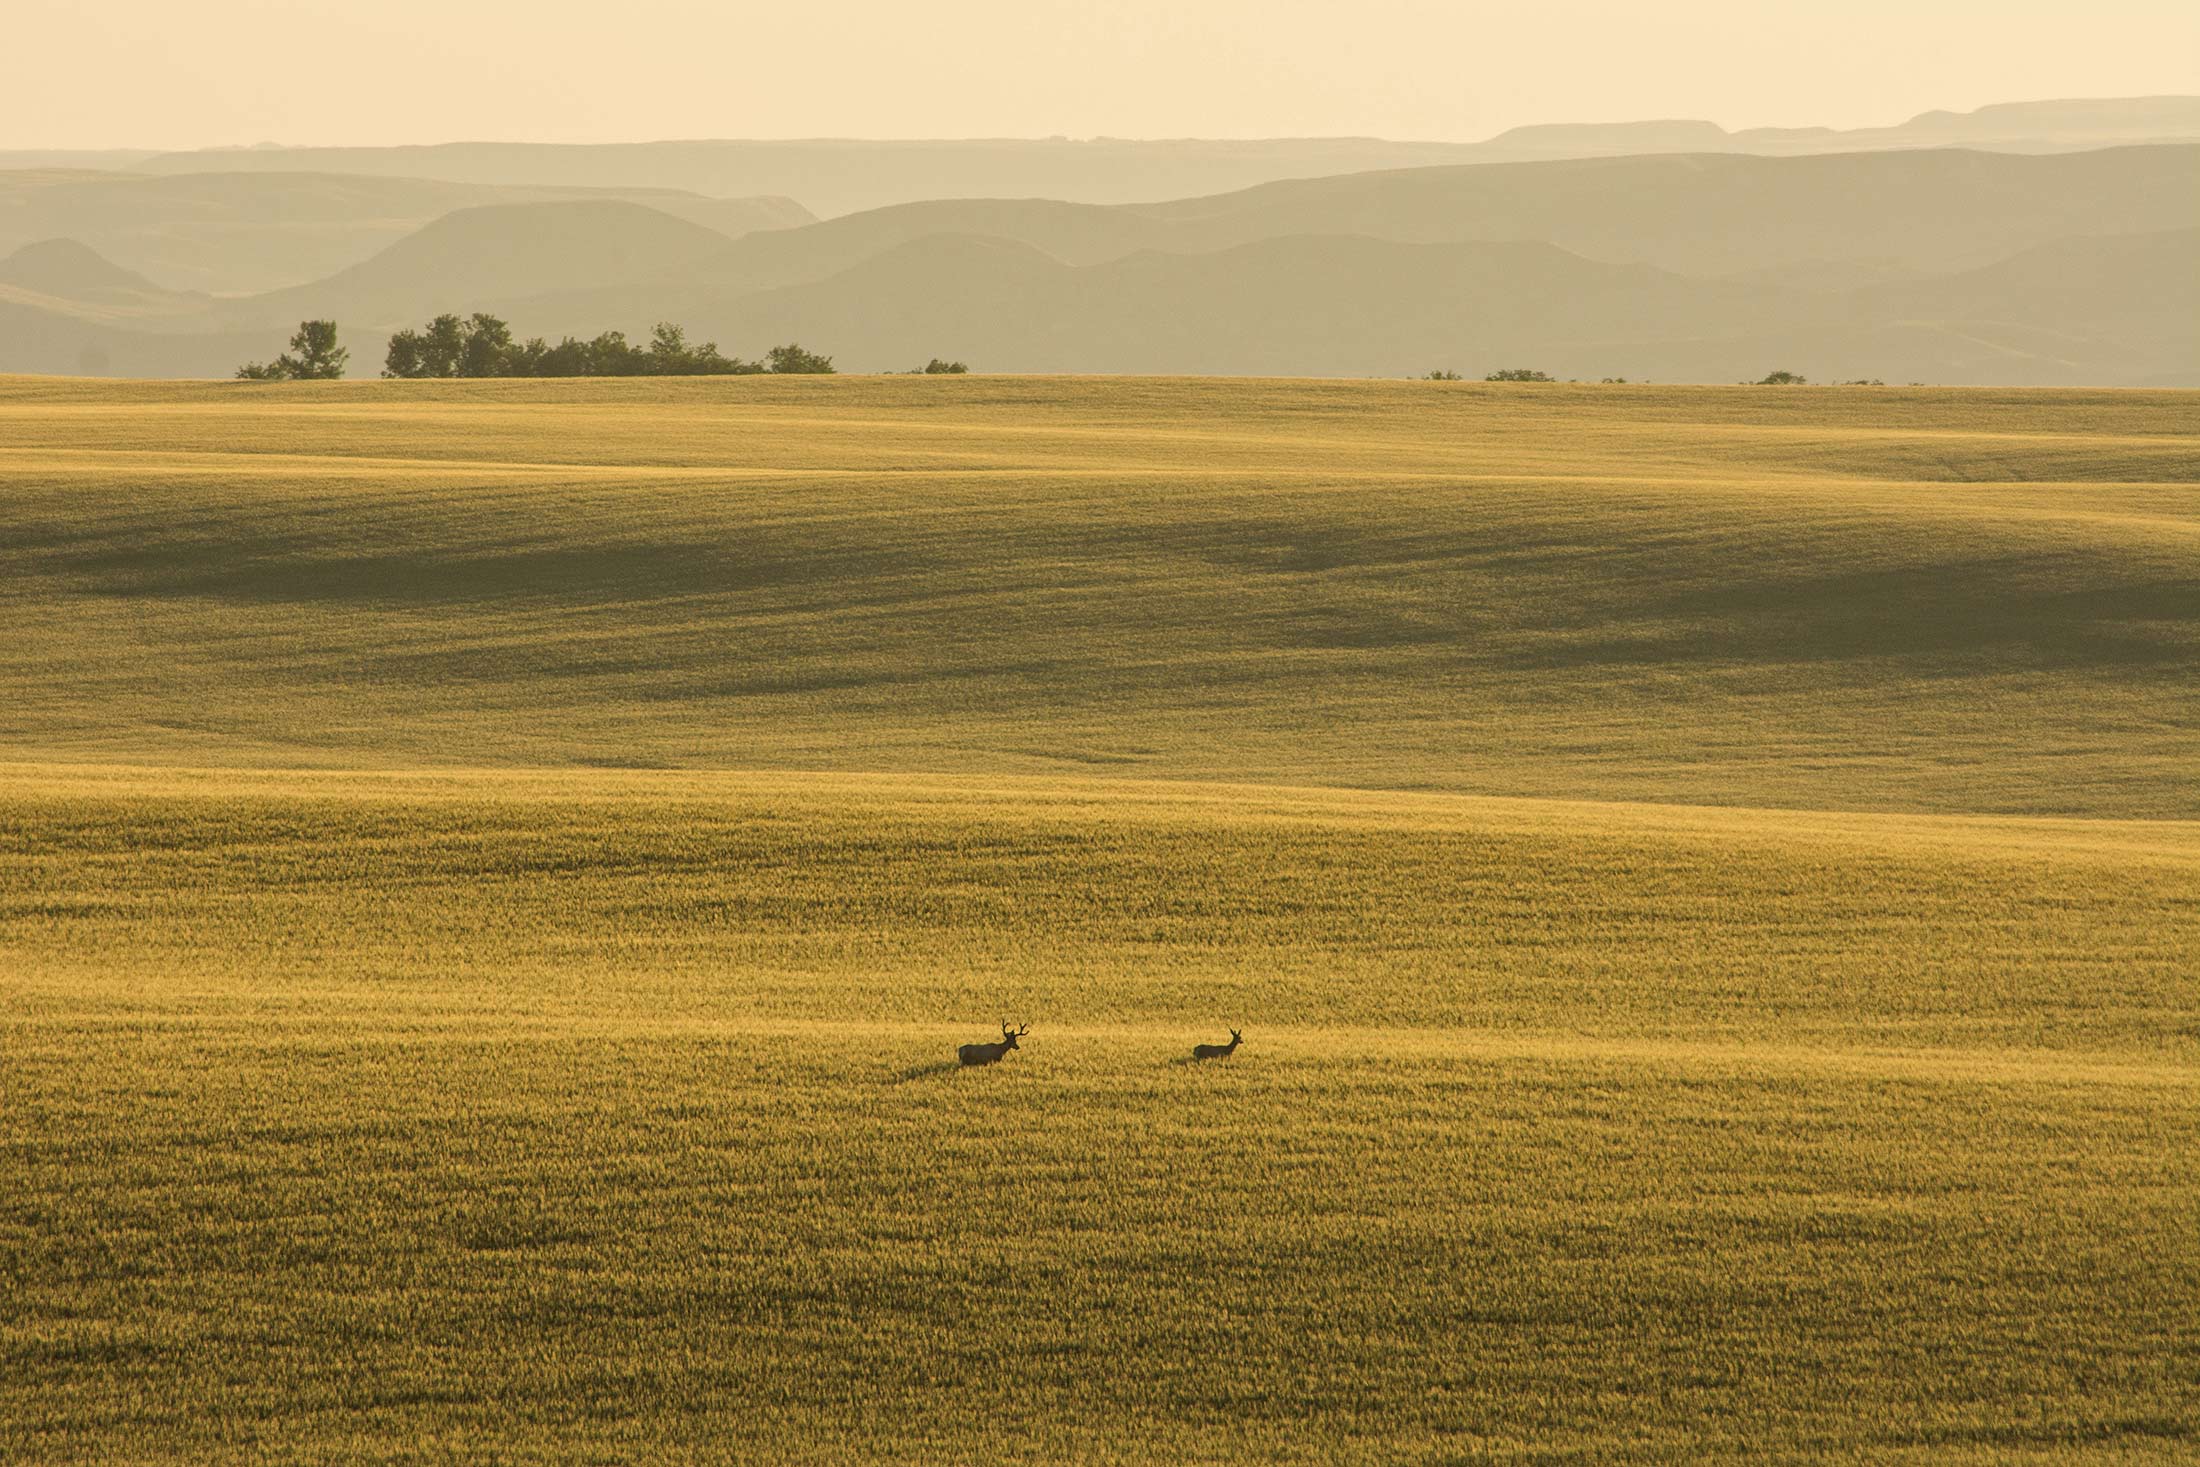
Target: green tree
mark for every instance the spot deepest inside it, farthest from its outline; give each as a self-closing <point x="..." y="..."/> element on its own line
<point x="486" y="349"/>
<point x="479" y="345"/>
<point x="443" y="346"/>
<point x="669" y="352"/>
<point x="670" y="355"/>
<point x="1781" y="379"/>
<point x="314" y="356"/>
<point x="609" y="355"/>
<point x="403" y="357"/>
<point x="1443" y="374"/>
<point x="938" y="367"/>
<point x="1518" y="374"/>
<point x="433" y="351"/>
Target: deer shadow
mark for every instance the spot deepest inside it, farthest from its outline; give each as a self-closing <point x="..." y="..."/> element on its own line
<point x="926" y="1071"/>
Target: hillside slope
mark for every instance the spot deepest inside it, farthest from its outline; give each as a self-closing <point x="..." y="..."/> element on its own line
<point x="634" y="1097"/>
<point x="390" y="1060"/>
<point x="2087" y="301"/>
<point x="1872" y="599"/>
<point x="66" y="277"/>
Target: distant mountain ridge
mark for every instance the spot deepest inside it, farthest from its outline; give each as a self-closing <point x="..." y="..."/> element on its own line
<point x="834" y="176"/>
<point x="2012" y="126"/>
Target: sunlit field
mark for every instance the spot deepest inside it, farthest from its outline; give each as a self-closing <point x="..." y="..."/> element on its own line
<point x="492" y="879"/>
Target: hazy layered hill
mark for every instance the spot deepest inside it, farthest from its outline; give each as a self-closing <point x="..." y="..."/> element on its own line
<point x="71" y="276"/>
<point x="1352" y="306"/>
<point x="2091" y="298"/>
<point x="1710" y="215"/>
<point x="1784" y="261"/>
<point x="1295" y="306"/>
<point x="838" y="176"/>
<point x="247" y="232"/>
<point x="43" y="334"/>
<point x="1700" y="215"/>
<point x="493" y="253"/>
<point x="1938" y="266"/>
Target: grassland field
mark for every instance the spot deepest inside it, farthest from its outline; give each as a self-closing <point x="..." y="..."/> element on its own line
<point x="492" y="877"/>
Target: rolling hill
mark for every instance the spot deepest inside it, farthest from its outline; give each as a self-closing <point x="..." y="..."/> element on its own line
<point x="493" y="877"/>
<point x="1725" y="596"/>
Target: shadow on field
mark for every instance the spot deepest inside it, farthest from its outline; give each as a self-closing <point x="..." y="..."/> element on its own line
<point x="927" y="1071"/>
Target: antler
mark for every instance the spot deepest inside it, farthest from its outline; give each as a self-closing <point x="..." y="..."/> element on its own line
<point x="1026" y="1029"/>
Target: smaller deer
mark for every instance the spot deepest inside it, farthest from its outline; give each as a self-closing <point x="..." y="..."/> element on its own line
<point x="1218" y="1051"/>
<point x="990" y="1054"/>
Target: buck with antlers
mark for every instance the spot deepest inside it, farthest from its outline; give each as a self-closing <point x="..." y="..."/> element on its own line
<point x="1218" y="1051"/>
<point x="988" y="1054"/>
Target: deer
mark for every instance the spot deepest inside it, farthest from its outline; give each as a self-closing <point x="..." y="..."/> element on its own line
<point x="1218" y="1051"/>
<point x="990" y="1054"/>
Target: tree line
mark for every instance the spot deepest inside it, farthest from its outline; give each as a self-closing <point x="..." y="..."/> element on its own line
<point x="481" y="345"/>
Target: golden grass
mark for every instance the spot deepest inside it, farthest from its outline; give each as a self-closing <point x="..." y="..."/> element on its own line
<point x="1757" y="1021"/>
<point x="543" y="1115"/>
<point x="1857" y="599"/>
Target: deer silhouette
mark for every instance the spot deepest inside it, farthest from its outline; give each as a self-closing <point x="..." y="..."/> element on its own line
<point x="989" y="1054"/>
<point x="1218" y="1051"/>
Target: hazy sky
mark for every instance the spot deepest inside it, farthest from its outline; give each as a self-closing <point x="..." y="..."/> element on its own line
<point x="187" y="73"/>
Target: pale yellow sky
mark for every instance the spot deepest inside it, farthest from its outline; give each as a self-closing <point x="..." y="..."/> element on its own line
<point x="188" y="73"/>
